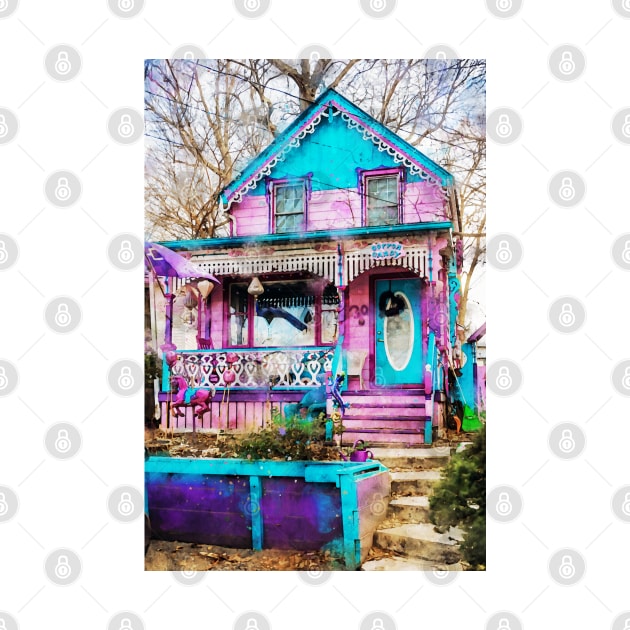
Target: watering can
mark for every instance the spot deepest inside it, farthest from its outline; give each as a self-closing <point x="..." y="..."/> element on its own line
<point x="358" y="454"/>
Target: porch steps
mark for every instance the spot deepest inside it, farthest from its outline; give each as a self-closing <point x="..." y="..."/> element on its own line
<point x="406" y="532"/>
<point x="385" y="417"/>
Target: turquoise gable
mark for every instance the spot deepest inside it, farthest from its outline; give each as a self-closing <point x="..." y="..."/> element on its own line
<point x="332" y="154"/>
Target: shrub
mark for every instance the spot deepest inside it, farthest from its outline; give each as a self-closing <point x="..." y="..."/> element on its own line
<point x="460" y="500"/>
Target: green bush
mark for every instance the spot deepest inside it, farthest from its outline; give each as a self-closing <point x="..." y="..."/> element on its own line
<point x="459" y="500"/>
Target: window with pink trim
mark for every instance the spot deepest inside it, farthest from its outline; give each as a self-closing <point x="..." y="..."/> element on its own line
<point x="382" y="197"/>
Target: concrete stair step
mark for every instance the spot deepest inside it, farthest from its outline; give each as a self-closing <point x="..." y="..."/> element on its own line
<point x="408" y="564"/>
<point x="414" y="483"/>
<point x="420" y="540"/>
<point x="414" y="509"/>
<point x="413" y="458"/>
<point x="377" y="437"/>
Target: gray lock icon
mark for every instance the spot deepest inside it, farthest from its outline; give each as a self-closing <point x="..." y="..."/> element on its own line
<point x="125" y="253"/>
<point x="567" y="443"/>
<point x="625" y="255"/>
<point x="440" y="54"/>
<point x="504" y="505"/>
<point x="567" y="316"/>
<point x="625" y="129"/>
<point x="125" y="127"/>
<point x="4" y="381"/>
<point x="125" y="5"/>
<point x="125" y="624"/>
<point x="4" y="507"/>
<point x="504" y="624"/>
<point x="252" y="624"/>
<point x="567" y="568"/>
<point x="63" y="443"/>
<point x="504" y="253"/>
<point x="567" y="191"/>
<point x="567" y="64"/>
<point x="4" y="129"/>
<point x="504" y="380"/>
<point x="125" y="505"/>
<point x="4" y="254"/>
<point x="625" y="506"/>
<point x="504" y="5"/>
<point x="504" y="127"/>
<point x="62" y="191"/>
<point x="626" y="378"/>
<point x="62" y="65"/>
<point x="125" y="380"/>
<point x="62" y="316"/>
<point x="63" y="568"/>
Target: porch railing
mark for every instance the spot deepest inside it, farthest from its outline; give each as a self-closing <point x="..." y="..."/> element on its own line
<point x="255" y="368"/>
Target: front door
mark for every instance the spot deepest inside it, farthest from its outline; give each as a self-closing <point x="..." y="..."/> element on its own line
<point x="398" y="334"/>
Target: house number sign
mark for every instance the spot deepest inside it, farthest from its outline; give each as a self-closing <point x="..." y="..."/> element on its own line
<point x="381" y="251"/>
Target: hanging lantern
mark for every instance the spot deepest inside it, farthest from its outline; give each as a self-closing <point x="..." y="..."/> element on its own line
<point x="190" y="302"/>
<point x="205" y="288"/>
<point x="255" y="287"/>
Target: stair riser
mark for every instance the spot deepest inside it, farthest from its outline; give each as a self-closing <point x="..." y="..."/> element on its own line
<point x="414" y="463"/>
<point x="382" y="423"/>
<point x="434" y="551"/>
<point x="405" y="488"/>
<point x="384" y="400"/>
<point x="408" y="514"/>
<point x="396" y="440"/>
<point x="381" y="412"/>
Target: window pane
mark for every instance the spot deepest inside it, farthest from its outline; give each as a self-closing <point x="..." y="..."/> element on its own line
<point x="289" y="208"/>
<point x="382" y="200"/>
<point x="238" y="315"/>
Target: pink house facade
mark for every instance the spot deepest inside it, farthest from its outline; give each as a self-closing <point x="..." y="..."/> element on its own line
<point x="342" y="259"/>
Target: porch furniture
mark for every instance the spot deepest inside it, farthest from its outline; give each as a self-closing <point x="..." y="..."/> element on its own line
<point x="355" y="360"/>
<point x="204" y="344"/>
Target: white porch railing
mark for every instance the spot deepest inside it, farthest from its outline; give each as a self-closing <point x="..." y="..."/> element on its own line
<point x="255" y="368"/>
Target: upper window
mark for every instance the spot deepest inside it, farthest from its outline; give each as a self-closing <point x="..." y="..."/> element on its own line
<point x="289" y="208"/>
<point x="381" y="207"/>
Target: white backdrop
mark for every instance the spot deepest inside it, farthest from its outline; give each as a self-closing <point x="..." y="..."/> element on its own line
<point x="71" y="320"/>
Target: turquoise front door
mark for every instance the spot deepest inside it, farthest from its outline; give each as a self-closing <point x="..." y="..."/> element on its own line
<point x="398" y="334"/>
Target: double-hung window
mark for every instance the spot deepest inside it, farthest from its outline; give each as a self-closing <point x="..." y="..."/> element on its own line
<point x="289" y="207"/>
<point x="382" y="199"/>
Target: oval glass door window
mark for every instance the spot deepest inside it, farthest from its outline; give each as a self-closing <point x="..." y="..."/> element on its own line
<point x="398" y="335"/>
